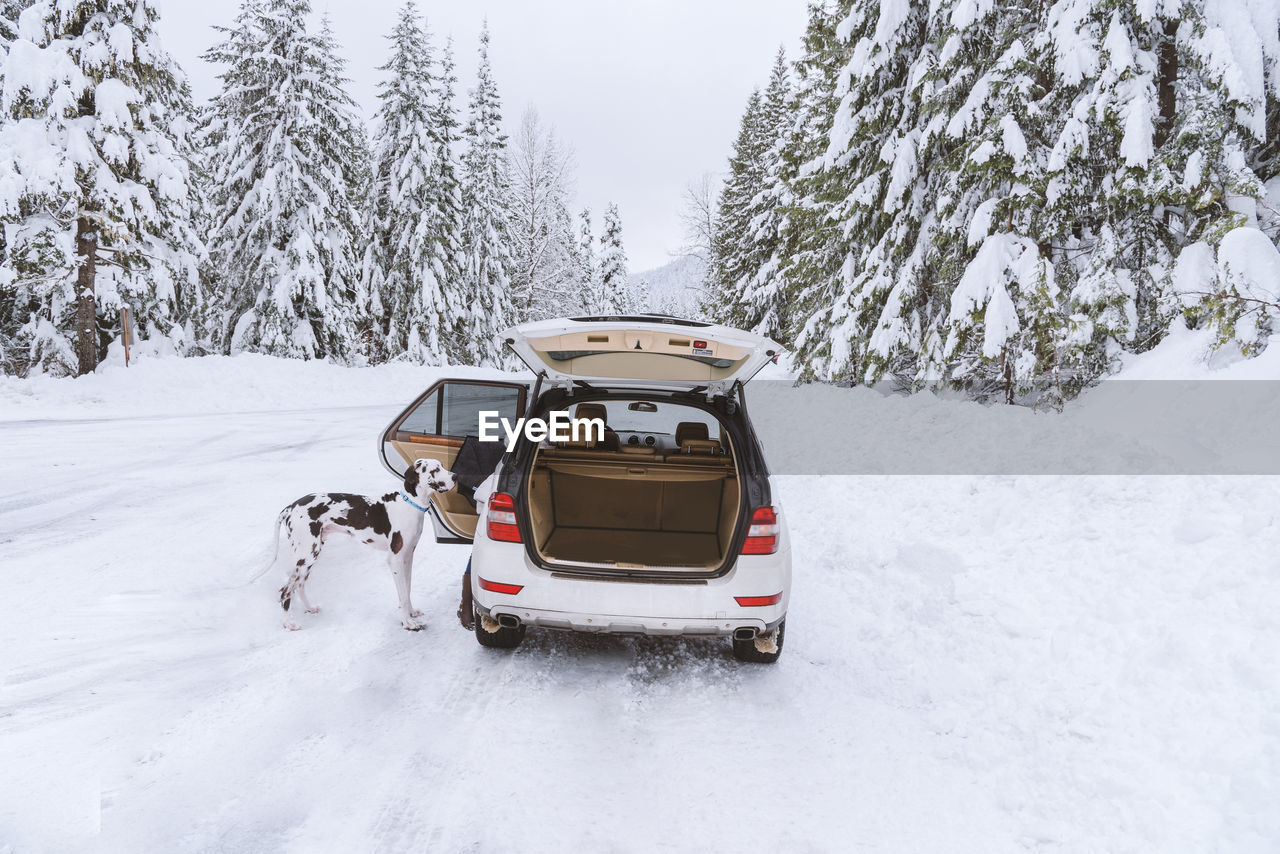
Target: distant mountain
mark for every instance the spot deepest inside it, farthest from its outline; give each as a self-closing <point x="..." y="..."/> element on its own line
<point x="674" y="288"/>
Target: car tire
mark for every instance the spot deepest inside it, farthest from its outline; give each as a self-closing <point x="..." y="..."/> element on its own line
<point x="501" y="638"/>
<point x="748" y="650"/>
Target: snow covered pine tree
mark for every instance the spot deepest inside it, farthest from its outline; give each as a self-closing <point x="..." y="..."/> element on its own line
<point x="615" y="292"/>
<point x="761" y="302"/>
<point x="449" y="214"/>
<point x="748" y="288"/>
<point x="588" y="266"/>
<point x="282" y="137"/>
<point x="729" y="269"/>
<point x="1003" y="198"/>
<point x="413" y="259"/>
<point x="96" y="201"/>
<point x="485" y="199"/>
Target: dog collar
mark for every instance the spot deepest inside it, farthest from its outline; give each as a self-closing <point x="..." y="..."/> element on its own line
<point x="412" y="503"/>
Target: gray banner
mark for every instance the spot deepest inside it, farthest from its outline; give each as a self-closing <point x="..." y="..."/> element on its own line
<point x="1147" y="427"/>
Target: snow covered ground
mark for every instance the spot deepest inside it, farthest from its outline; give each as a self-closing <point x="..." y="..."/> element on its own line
<point x="972" y="663"/>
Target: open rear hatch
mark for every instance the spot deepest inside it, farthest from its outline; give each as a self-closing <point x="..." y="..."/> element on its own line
<point x="647" y="351"/>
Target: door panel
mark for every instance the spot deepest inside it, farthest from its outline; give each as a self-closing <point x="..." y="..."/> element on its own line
<point x="436" y="424"/>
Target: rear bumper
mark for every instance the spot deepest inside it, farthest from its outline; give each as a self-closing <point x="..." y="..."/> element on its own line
<point x="561" y="601"/>
<point x="619" y="625"/>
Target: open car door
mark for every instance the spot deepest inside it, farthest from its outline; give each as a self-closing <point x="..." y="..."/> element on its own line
<point x="646" y="351"/>
<point x="435" y="426"/>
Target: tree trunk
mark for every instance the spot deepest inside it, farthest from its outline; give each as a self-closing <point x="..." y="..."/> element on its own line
<point x="1167" y="82"/>
<point x="86" y="308"/>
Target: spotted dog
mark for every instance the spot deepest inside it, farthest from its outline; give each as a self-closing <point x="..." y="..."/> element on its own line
<point x="392" y="523"/>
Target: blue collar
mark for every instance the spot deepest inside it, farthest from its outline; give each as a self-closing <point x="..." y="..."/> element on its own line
<point x="412" y="503"/>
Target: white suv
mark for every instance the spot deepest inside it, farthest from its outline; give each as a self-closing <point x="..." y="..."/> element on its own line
<point x="666" y="526"/>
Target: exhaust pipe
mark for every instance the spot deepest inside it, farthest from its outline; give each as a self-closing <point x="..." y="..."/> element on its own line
<point x="509" y="621"/>
<point x="744" y="634"/>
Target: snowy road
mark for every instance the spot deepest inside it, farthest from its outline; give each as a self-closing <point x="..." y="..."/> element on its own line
<point x="972" y="664"/>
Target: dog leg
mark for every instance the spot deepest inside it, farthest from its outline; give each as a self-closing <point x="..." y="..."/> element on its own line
<point x="302" y="598"/>
<point x="302" y="589"/>
<point x="286" y="599"/>
<point x="408" y="586"/>
<point x="401" y="575"/>
<point x="304" y="559"/>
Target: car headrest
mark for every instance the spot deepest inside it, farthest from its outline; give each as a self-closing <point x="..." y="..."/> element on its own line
<point x="701" y="447"/>
<point x="592" y="410"/>
<point x="687" y="430"/>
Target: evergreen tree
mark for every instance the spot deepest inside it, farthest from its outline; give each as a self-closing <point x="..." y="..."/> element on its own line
<point x="1226" y="128"/>
<point x="730" y="260"/>
<point x="95" y="194"/>
<point x="368" y="313"/>
<point x="347" y="138"/>
<point x="412" y="262"/>
<point x="485" y="192"/>
<point x="811" y="239"/>
<point x="448" y="225"/>
<point x="1147" y="158"/>
<point x="615" y="292"/>
<point x="9" y="12"/>
<point x="873" y="307"/>
<point x="763" y="301"/>
<point x="984" y="123"/>
<point x="280" y="136"/>
<point x="588" y="266"/>
<point x="993" y="197"/>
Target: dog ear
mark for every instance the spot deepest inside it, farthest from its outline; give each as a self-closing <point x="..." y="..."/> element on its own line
<point x="411" y="479"/>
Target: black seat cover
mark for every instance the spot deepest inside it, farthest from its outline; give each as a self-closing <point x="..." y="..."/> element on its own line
<point x="476" y="460"/>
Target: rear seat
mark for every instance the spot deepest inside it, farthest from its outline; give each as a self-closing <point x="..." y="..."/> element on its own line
<point x="687" y="430"/>
<point x="693" y="439"/>
<point x="597" y="410"/>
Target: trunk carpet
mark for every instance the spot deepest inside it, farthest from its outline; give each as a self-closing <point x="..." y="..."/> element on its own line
<point x="654" y="548"/>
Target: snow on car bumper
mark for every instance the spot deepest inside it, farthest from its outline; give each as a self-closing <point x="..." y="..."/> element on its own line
<point x="556" y="601"/>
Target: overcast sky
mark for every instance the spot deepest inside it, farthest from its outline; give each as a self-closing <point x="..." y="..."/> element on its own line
<point x="648" y="92"/>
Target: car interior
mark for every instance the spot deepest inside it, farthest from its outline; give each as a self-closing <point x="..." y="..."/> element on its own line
<point x="636" y="499"/>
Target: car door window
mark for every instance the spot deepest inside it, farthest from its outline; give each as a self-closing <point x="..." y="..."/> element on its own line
<point x="452" y="409"/>
<point x="425" y="420"/>
<point x="463" y="404"/>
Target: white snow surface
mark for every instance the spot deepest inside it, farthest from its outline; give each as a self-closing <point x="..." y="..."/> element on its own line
<point x="981" y="664"/>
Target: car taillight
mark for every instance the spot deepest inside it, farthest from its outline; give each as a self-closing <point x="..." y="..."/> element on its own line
<point x="758" y="601"/>
<point x="509" y="589"/>
<point x="762" y="536"/>
<point x="502" y="518"/>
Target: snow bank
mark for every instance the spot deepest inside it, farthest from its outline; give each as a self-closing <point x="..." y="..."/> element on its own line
<point x="215" y="384"/>
<point x="1187" y="354"/>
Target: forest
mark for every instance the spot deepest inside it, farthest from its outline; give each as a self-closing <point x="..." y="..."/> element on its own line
<point x="271" y="219"/>
<point x="991" y="197"/>
<point x="1001" y="198"/>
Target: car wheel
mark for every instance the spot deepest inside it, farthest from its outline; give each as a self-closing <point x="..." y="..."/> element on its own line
<point x="494" y="636"/>
<point x="763" y="649"/>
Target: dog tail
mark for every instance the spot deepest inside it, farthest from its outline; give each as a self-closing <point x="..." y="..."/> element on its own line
<point x="275" y="554"/>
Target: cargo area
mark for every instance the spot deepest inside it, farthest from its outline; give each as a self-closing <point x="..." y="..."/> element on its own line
<point x="634" y="509"/>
